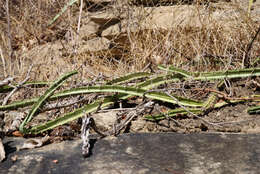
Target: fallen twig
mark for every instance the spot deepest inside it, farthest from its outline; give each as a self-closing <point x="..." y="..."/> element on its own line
<point x="3" y="60"/>
<point x="17" y="86"/>
<point x="169" y="118"/>
<point x="9" y="30"/>
<point x="246" y="59"/>
<point x="6" y="81"/>
<point x="78" y="28"/>
<point x="130" y="116"/>
<point x="196" y="116"/>
<point x="225" y="97"/>
<point x="236" y="122"/>
<point x="63" y="104"/>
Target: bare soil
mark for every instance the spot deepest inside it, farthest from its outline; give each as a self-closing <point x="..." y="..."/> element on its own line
<point x="231" y="118"/>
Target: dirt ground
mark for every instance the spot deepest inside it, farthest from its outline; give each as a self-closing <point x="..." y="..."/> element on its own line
<point x="232" y="118"/>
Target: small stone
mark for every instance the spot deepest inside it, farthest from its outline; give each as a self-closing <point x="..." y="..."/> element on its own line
<point x="138" y="125"/>
<point x="105" y="120"/>
<point x="14" y="158"/>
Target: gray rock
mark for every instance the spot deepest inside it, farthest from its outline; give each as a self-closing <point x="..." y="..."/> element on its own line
<point x="106" y="120"/>
<point x="142" y="153"/>
<point x="2" y="151"/>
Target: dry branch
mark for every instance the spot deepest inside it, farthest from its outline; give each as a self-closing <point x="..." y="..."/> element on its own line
<point x="18" y="86"/>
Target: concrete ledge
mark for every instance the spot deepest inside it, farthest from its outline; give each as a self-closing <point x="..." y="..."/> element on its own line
<point x="142" y="153"/>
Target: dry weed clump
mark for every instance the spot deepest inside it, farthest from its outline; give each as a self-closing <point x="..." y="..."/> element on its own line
<point x="27" y="28"/>
<point x="216" y="45"/>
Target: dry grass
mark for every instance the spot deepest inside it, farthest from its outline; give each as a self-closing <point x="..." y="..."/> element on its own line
<point x="212" y="46"/>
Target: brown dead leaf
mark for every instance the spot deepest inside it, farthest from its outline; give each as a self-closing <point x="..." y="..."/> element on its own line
<point x="17" y="134"/>
<point x="55" y="161"/>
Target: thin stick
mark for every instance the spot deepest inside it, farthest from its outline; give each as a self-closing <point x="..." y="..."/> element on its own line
<point x="6" y="81"/>
<point x="119" y="127"/>
<point x="9" y="30"/>
<point x="236" y="122"/>
<point x="63" y="104"/>
<point x="18" y="86"/>
<point x="130" y="116"/>
<point x="3" y="60"/>
<point x="224" y="96"/>
<point x="117" y="109"/>
<point x="246" y="60"/>
<point x="169" y="118"/>
<point x="78" y="30"/>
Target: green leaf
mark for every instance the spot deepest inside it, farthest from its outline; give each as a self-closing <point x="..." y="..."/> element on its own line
<point x="159" y="80"/>
<point x="254" y="110"/>
<point x="45" y="96"/>
<point x="62" y="11"/>
<point x="173" y="113"/>
<point x="176" y="70"/>
<point x="72" y="115"/>
<point x="95" y="105"/>
<point x="7" y="88"/>
<point x="132" y="91"/>
<point x="250" y="3"/>
<point x="29" y="102"/>
<point x="18" y="104"/>
<point x="241" y="73"/>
